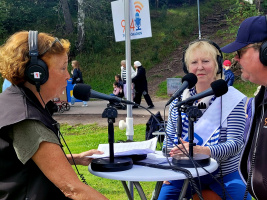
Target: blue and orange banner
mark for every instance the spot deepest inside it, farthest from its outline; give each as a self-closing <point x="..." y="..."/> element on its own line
<point x="140" y="25"/>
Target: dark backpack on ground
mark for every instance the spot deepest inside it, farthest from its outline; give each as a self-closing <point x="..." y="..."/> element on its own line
<point x="152" y="125"/>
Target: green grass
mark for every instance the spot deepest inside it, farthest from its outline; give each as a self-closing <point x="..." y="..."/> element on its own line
<point x="246" y="88"/>
<point x="84" y="137"/>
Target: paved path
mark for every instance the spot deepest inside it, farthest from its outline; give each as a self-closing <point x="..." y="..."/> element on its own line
<point x="93" y="113"/>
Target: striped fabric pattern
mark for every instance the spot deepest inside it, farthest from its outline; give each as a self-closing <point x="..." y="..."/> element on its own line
<point x="123" y="77"/>
<point x="225" y="144"/>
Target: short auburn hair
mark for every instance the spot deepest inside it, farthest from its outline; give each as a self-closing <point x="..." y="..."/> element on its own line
<point x="14" y="54"/>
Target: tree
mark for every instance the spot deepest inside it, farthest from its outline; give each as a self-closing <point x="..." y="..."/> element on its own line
<point x="67" y="17"/>
<point x="258" y="4"/>
<point x="80" y="26"/>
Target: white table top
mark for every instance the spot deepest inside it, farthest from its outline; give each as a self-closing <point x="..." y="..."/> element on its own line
<point x="143" y="173"/>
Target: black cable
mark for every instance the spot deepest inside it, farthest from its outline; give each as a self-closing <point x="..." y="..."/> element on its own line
<point x="81" y="175"/>
<point x="252" y="165"/>
<point x="186" y="172"/>
<point x="220" y="161"/>
<point x="187" y="154"/>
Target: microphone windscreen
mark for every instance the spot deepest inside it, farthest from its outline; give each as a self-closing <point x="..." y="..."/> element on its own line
<point x="191" y="79"/>
<point x="219" y="87"/>
<point x="82" y="91"/>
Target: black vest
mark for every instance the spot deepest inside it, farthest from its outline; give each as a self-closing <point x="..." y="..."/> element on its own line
<point x="257" y="140"/>
<point x="18" y="181"/>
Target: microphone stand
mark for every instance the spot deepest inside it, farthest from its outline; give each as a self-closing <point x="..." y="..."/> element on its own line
<point x="179" y="121"/>
<point x="166" y="150"/>
<point x="182" y="160"/>
<point x="111" y="164"/>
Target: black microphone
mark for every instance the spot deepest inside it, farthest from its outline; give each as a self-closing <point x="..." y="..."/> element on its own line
<point x="218" y="88"/>
<point x="189" y="81"/>
<point x="84" y="92"/>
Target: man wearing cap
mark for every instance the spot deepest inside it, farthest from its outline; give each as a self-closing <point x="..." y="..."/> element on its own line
<point x="251" y="48"/>
<point x="229" y="76"/>
<point x="140" y="83"/>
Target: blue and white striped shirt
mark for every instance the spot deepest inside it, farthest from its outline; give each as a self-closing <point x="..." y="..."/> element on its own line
<point x="225" y="144"/>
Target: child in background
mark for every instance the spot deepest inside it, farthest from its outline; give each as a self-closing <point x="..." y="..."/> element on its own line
<point x="119" y="80"/>
<point x="229" y="76"/>
<point x="117" y="90"/>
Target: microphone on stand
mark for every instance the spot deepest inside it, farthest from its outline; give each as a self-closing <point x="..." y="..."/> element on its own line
<point x="218" y="88"/>
<point x="189" y="81"/>
<point x="84" y="92"/>
<point x="109" y="164"/>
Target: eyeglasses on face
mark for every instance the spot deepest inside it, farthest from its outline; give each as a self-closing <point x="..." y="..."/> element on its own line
<point x="241" y="51"/>
<point x="55" y="41"/>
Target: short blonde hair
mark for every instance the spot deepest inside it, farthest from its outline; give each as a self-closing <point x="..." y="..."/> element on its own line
<point x="14" y="54"/>
<point x="205" y="47"/>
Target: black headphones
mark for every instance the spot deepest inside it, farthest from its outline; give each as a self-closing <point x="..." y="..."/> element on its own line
<point x="36" y="71"/>
<point x="263" y="51"/>
<point x="219" y="57"/>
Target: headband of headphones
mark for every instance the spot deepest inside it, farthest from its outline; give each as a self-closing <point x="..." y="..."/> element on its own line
<point x="33" y="46"/>
<point x="219" y="58"/>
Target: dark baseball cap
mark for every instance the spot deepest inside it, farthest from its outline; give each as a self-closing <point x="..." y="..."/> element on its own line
<point x="251" y="30"/>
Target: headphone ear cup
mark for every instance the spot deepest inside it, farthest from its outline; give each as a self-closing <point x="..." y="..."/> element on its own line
<point x="263" y="53"/>
<point x="37" y="73"/>
<point x="219" y="57"/>
<point x="184" y="65"/>
<point x="220" y="64"/>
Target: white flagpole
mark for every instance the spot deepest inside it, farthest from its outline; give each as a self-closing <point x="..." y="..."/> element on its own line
<point x="199" y="32"/>
<point x="129" y="118"/>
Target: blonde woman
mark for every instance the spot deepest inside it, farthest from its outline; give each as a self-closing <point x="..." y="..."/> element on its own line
<point x="219" y="131"/>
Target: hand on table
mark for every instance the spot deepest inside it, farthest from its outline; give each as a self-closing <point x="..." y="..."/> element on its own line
<point x="196" y="149"/>
<point x="82" y="159"/>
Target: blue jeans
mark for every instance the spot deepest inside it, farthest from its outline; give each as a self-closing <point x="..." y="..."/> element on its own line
<point x="73" y="99"/>
<point x="232" y="184"/>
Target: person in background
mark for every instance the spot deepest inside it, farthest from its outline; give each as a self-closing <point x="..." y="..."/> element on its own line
<point x="119" y="80"/>
<point x="123" y="77"/>
<point x="251" y="53"/>
<point x="229" y="76"/>
<point x="218" y="132"/>
<point x="33" y="163"/>
<point x="117" y="90"/>
<point x="6" y="84"/>
<point x="140" y="83"/>
<point x="76" y="78"/>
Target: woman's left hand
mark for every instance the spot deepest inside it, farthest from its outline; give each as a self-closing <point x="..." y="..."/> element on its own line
<point x="196" y="149"/>
<point x="83" y="159"/>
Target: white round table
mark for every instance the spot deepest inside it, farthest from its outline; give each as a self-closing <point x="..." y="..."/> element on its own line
<point x="142" y="173"/>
